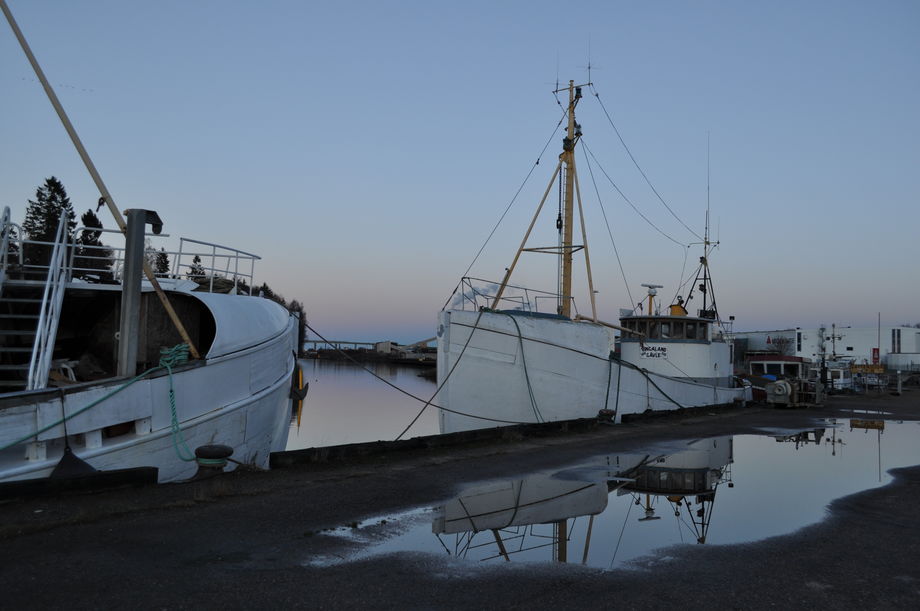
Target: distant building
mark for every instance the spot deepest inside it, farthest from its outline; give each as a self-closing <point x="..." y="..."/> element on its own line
<point x="897" y="348"/>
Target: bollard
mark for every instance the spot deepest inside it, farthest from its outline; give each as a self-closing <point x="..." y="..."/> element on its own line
<point x="211" y="460"/>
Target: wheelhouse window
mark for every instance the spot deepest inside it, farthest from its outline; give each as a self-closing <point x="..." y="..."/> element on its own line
<point x="677" y="329"/>
<point x="665" y="330"/>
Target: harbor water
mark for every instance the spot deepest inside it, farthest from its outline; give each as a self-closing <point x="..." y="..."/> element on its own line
<point x="616" y="510"/>
<point x="347" y="404"/>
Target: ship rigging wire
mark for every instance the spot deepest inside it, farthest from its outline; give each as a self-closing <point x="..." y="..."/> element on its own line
<point x="406" y="392"/>
<point x="609" y="231"/>
<point x="625" y="198"/>
<point x="636" y="163"/>
<point x="508" y="207"/>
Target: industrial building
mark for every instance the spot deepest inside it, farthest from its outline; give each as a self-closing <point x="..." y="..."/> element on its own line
<point x="897" y="348"/>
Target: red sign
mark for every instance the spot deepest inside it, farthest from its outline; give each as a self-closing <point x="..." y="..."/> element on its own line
<point x="875" y="356"/>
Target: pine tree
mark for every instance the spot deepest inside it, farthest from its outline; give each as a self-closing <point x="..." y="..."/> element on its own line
<point x="42" y="217"/>
<point x="93" y="260"/>
<point x="196" y="270"/>
<point x="161" y="263"/>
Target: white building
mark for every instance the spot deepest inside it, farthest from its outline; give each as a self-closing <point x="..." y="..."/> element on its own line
<point x="898" y="348"/>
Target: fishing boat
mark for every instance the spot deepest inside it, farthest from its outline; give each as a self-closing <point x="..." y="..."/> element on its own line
<point x="73" y="387"/>
<point x="503" y="360"/>
<point x="114" y="372"/>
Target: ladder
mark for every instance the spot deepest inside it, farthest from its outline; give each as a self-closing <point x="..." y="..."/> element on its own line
<point x="30" y="305"/>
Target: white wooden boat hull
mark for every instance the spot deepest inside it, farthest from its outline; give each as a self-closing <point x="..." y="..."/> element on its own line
<point x="522" y="369"/>
<point x="240" y="399"/>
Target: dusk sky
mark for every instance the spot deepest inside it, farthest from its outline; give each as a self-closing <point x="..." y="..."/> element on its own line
<point x="366" y="149"/>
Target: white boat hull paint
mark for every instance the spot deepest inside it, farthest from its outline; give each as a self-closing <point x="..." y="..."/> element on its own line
<point x="241" y="399"/>
<point x="549" y="369"/>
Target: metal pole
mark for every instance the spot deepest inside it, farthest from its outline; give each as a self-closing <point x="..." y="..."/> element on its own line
<point x="81" y="150"/>
<point x="131" y="293"/>
<point x="533" y="222"/>
<point x="584" y="240"/>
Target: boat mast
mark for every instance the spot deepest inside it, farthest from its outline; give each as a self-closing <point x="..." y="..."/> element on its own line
<point x="568" y="208"/>
<point x="565" y="169"/>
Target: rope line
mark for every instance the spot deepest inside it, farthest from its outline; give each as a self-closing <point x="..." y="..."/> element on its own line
<point x="405" y="392"/>
<point x="625" y="198"/>
<point x="510" y="204"/>
<point x="636" y="163"/>
<point x="170" y="358"/>
<point x="609" y="231"/>
<point x="533" y="400"/>
<point x="447" y="377"/>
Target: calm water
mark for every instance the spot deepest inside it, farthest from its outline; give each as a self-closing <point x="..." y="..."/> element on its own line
<point x="609" y="510"/>
<point x="346" y="404"/>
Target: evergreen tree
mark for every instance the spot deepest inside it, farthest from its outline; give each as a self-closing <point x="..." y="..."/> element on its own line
<point x="42" y="217"/>
<point x="93" y="260"/>
<point x="12" y="249"/>
<point x="161" y="263"/>
<point x="196" y="270"/>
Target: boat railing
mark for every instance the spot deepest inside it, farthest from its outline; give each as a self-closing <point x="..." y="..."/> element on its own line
<point x="217" y="268"/>
<point x="6" y="233"/>
<point x="50" y="314"/>
<point x="214" y="262"/>
<point x="477" y="293"/>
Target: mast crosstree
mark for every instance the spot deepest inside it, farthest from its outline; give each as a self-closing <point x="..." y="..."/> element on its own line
<point x="571" y="192"/>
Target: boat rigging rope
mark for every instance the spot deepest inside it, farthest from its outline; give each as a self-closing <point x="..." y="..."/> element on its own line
<point x="533" y="400"/>
<point x="405" y="392"/>
<point x="636" y="163"/>
<point x="609" y="232"/>
<point x="623" y="195"/>
<point x="447" y="377"/>
<point x="507" y="208"/>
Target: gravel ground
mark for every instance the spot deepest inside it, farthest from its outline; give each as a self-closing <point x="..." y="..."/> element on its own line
<point x="246" y="539"/>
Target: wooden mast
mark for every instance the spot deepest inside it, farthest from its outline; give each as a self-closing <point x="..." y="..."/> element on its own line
<point x="568" y="160"/>
<point x="565" y="169"/>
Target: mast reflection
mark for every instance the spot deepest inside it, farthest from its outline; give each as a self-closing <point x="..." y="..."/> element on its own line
<point x="504" y="519"/>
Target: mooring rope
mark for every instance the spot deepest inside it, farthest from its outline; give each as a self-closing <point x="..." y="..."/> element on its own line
<point x="169" y="359"/>
<point x="533" y="400"/>
<point x="403" y="391"/>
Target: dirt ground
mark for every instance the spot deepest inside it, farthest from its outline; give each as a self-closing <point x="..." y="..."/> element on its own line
<point x="247" y="539"/>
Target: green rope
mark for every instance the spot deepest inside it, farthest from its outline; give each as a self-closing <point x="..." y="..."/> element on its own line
<point x="169" y="358"/>
<point x="81" y="410"/>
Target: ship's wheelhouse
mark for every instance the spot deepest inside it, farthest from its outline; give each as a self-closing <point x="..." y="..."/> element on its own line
<point x="666" y="329"/>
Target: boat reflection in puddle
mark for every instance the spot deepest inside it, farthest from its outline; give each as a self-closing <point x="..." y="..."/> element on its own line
<point x="610" y="511"/>
<point x="540" y="511"/>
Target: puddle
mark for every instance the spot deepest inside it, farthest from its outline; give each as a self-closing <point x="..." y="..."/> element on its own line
<point x="611" y="510"/>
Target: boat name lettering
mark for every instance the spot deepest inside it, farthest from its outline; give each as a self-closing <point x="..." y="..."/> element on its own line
<point x="654" y="352"/>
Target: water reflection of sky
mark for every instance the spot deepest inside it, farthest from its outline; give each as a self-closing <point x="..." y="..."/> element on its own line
<point x="767" y="486"/>
<point x="346" y="404"/>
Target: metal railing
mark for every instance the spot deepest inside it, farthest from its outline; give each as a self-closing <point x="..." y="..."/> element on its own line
<point x="6" y="228"/>
<point x="477" y="293"/>
<point x="50" y="315"/>
<point x="220" y="260"/>
<point x="217" y="265"/>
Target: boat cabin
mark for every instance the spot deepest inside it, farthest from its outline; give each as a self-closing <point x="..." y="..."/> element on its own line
<point x="778" y="365"/>
<point x="666" y="328"/>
